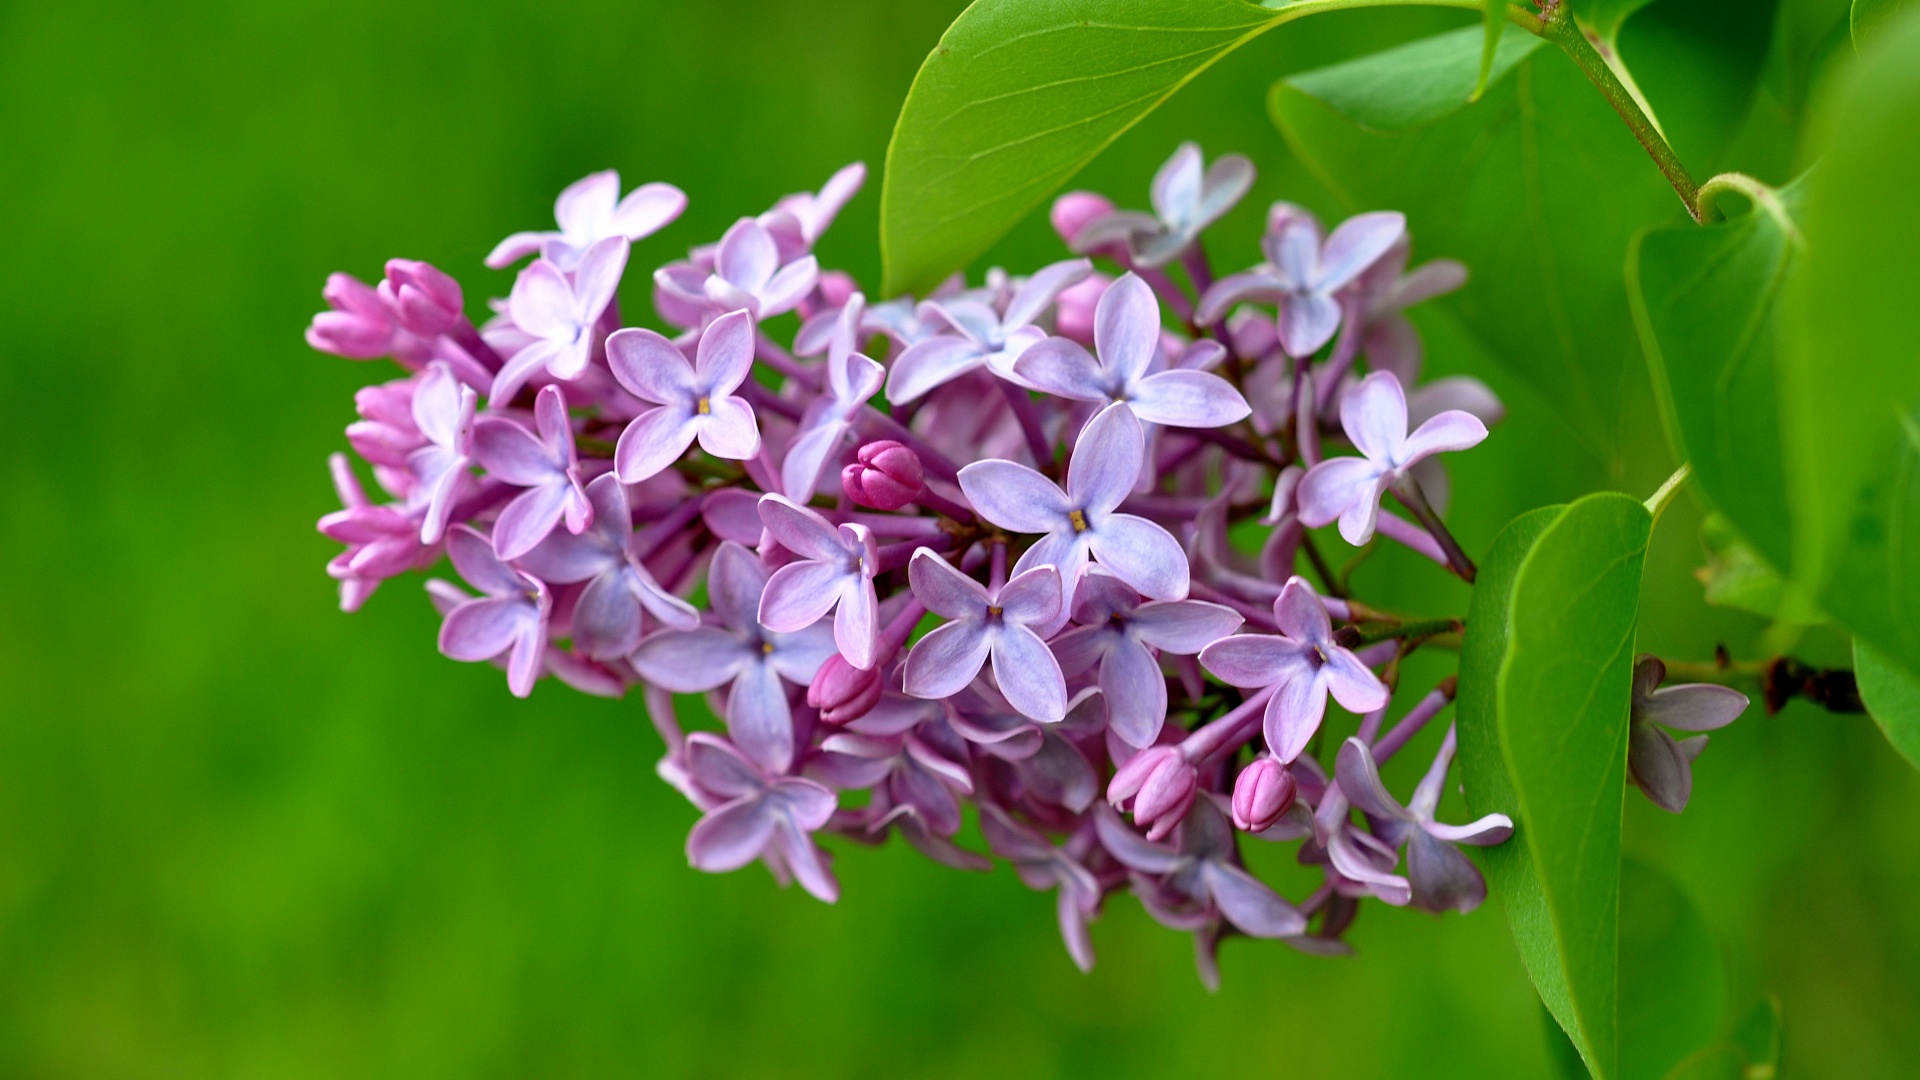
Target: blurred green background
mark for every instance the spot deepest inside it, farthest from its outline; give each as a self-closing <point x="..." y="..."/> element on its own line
<point x="243" y="834"/>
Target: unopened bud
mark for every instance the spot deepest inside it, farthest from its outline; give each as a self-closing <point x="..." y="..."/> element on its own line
<point x="426" y="301"/>
<point x="886" y="476"/>
<point x="1072" y="211"/>
<point x="843" y="692"/>
<point x="1073" y="311"/>
<point x="1262" y="795"/>
<point x="1161" y="782"/>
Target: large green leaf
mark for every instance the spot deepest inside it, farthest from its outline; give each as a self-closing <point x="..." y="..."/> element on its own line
<point x="1018" y="96"/>
<point x="1416" y="83"/>
<point x="1850" y="358"/>
<point x="1870" y="18"/>
<point x="1892" y="695"/>
<point x="1538" y="187"/>
<point x="1705" y="301"/>
<point x="1544" y="682"/>
<point x="1673" y="981"/>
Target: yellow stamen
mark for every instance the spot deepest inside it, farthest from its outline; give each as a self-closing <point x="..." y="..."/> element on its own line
<point x="1079" y="519"/>
<point x="704" y="407"/>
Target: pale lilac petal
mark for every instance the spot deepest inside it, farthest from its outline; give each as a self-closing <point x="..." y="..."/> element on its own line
<point x="654" y="440"/>
<point x="1126" y="328"/>
<point x="1017" y="498"/>
<point x="1136" y="692"/>
<point x="516" y="247"/>
<point x="931" y="363"/>
<point x="1334" y="486"/>
<point x="1356" y="244"/>
<point x="725" y="354"/>
<point x="947" y="659"/>
<point x="606" y="618"/>
<point x="483" y="629"/>
<point x="720" y="768"/>
<point x="800" y="530"/>
<point x="1249" y="903"/>
<point x="1455" y="392"/>
<point x="1357" y="689"/>
<point x="1041" y="289"/>
<point x="1031" y="598"/>
<point x="1307" y="321"/>
<point x="529" y="518"/>
<point x="1485" y="832"/>
<point x="1101" y="596"/>
<point x="734" y="584"/>
<point x="1142" y="554"/>
<point x="799" y="656"/>
<point x="1292" y="244"/>
<point x="1253" y="660"/>
<point x="647" y="209"/>
<point x="1062" y="368"/>
<point x="1294" y="714"/>
<point x="1451" y="430"/>
<point x="1360" y="781"/>
<point x="790" y="286"/>
<point x="1374" y="415"/>
<point x="1357" y="521"/>
<point x="1105" y="465"/>
<point x="733" y="514"/>
<point x="746" y="257"/>
<point x="1189" y="399"/>
<point x="473" y="556"/>
<point x="1182" y="626"/>
<point x="1176" y="184"/>
<point x="1222" y="295"/>
<point x="1441" y="877"/>
<point x="730" y="430"/>
<point x="1693" y="706"/>
<point x="1083" y="646"/>
<point x="1028" y="675"/>
<point x="441" y="406"/>
<point x="585" y="205"/>
<point x="1066" y="552"/>
<point x="1059" y="774"/>
<point x="731" y="836"/>
<point x="527" y="660"/>
<point x="1071" y="913"/>
<point x="759" y="720"/>
<point x="1132" y="849"/>
<point x="690" y="661"/>
<point x="1228" y="180"/>
<point x="542" y="303"/>
<point x="511" y="453"/>
<point x="1391" y="344"/>
<point x="1659" y="767"/>
<point x="598" y="276"/>
<point x="947" y="592"/>
<point x="1346" y="850"/>
<point x="799" y="594"/>
<point x="651" y="368"/>
<point x="856" y="624"/>
<point x="803" y="858"/>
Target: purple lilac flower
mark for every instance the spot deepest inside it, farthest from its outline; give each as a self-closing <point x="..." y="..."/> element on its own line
<point x="607" y="616"/>
<point x="442" y="411"/>
<point x="382" y="541"/>
<point x="918" y="768"/>
<point x="742" y="654"/>
<point x="798" y="221"/>
<point x="692" y="400"/>
<point x="511" y="618"/>
<point x="1387" y="339"/>
<point x="589" y="211"/>
<point x="1204" y="870"/>
<point x="1304" y="662"/>
<point x="978" y="336"/>
<point x="982" y="623"/>
<point x="757" y="816"/>
<point x="885" y="475"/>
<point x="1303" y="275"/>
<point x="1083" y="521"/>
<point x="1043" y="865"/>
<point x="748" y="273"/>
<point x="1121" y="634"/>
<point x="1186" y="199"/>
<point x="1374" y="414"/>
<point x="834" y="573"/>
<point x="851" y="380"/>
<point x="360" y="325"/>
<point x="1659" y="764"/>
<point x="545" y="465"/>
<point x="557" y="311"/>
<point x="1441" y="878"/>
<point x="1126" y="332"/>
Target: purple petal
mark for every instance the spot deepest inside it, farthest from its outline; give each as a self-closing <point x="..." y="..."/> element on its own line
<point x="799" y="594"/>
<point x="585" y="205"/>
<point x="1249" y="903"/>
<point x="1183" y="626"/>
<point x="529" y="518"/>
<point x="946" y="592"/>
<point x="1451" y="430"/>
<point x="1455" y="392"/>
<point x="647" y="209"/>
<point x="1082" y="647"/>
<point x="1360" y="780"/>
<point x="1333" y="488"/>
<point x="654" y="440"/>
<point x="1442" y="878"/>
<point x="1307" y="321"/>
<point x="651" y="368"/>
<point x="1228" y="180"/>
<point x="1294" y="714"/>
<point x="597" y="277"/>
<point x="1357" y="244"/>
<point x="1028" y="674"/>
<point x="1659" y="767"/>
<point x="483" y="629"/>
<point x="1031" y="598"/>
<point x="1484" y="832"/>
<point x="606" y="618"/>
<point x="734" y="584"/>
<point x="1130" y="848"/>
<point x="1105" y="465"/>
<point x="1041" y="289"/>
<point x="1693" y="707"/>
<point x="725" y="354"/>
<point x="803" y="858"/>
<point x="1254" y="285"/>
<point x="1136" y="692"/>
<point x="1066" y="552"/>
<point x="1357" y="689"/>
<point x="947" y="659"/>
<point x="759" y="720"/>
<point x="718" y="767"/>
<point x="798" y="657"/>
<point x="1126" y="328"/>
<point x="474" y="558"/>
<point x="1058" y="773"/>
<point x="731" y="836"/>
<point x="1253" y="660"/>
<point x="1374" y="415"/>
<point x="733" y="514"/>
<point x="1176" y="185"/>
<point x="789" y="286"/>
<point x="512" y="453"/>
<point x="1062" y="368"/>
<point x="516" y="247"/>
<point x="1188" y="399"/>
<point x="746" y="257"/>
<point x="730" y="430"/>
<point x="1142" y="554"/>
<point x="689" y="661"/>
<point x="856" y="625"/>
<point x="1017" y="498"/>
<point x="931" y="363"/>
<point x="801" y="530"/>
<point x="542" y="302"/>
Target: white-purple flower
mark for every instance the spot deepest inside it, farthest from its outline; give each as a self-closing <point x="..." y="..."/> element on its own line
<point x="1441" y="878"/>
<point x="1659" y="764"/>
<point x="545" y="465"/>
<point x="588" y="211"/>
<point x="1187" y="197"/>
<point x="557" y="312"/>
<point x="511" y="618"/>
<point x="442" y="410"/>
<point x="692" y="400"/>
<point x="1126" y="331"/>
<point x="982" y="623"/>
<point x="833" y="574"/>
<point x="744" y="654"/>
<point x="748" y="273"/>
<point x="1304" y="662"/>
<point x="852" y="379"/>
<point x="979" y="336"/>
<point x="1303" y="275"/>
<point x="758" y="816"/>
<point x="1084" y="521"/>
<point x="1374" y="415"/>
<point x="607" y="617"/>
<point x="1205" y="869"/>
<point x="1120" y="634"/>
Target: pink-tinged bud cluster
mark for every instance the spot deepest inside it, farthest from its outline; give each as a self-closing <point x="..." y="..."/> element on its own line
<point x="1020" y="597"/>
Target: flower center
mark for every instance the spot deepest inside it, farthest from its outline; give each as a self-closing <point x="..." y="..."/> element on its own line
<point x="1079" y="520"/>
<point x="703" y="407"/>
<point x="993" y="612"/>
<point x="766" y="648"/>
<point x="1315" y="657"/>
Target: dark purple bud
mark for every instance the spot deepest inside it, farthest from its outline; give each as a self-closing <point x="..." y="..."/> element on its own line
<point x="1262" y="794"/>
<point x="843" y="692"/>
<point x="887" y="476"/>
<point x="426" y="301"/>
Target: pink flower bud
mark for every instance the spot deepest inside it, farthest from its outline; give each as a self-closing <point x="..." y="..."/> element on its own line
<point x="1073" y="311"/>
<point x="843" y="692"/>
<point x="426" y="301"/>
<point x="1160" y="781"/>
<point x="886" y="476"/>
<point x="836" y="286"/>
<point x="1262" y="794"/>
<point x="1072" y="211"/>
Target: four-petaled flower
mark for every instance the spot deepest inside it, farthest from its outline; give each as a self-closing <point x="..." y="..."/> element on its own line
<point x="1303" y="275"/>
<point x="1042" y="865"/>
<point x="1374" y="415"/>
<point x="443" y="411"/>
<point x="1083" y="521"/>
<point x="606" y="617"/>
<point x="1186" y="199"/>
<point x="1126" y="332"/>
<point x="1661" y="765"/>
<point x="694" y="400"/>
<point x="1119" y="633"/>
<point x="545" y="466"/>
<point x="757" y="816"/>
<point x="745" y="654"/>
<point x="798" y="221"/>
<point x="834" y="573"/>
<point x="558" y="313"/>
<point x="511" y="618"/>
<point x="1304" y="663"/>
<point x="747" y="273"/>
<point x="1442" y="879"/>
<point x="588" y="211"/>
<point x="980" y="336"/>
<point x="1203" y="869"/>
<point x="986" y="622"/>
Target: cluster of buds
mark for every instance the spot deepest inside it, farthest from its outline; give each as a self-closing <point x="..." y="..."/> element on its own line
<point x="1020" y="595"/>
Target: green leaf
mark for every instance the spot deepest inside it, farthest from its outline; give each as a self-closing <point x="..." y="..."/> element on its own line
<point x="1850" y="358"/>
<point x="1673" y="982"/>
<point x="1736" y="576"/>
<point x="1493" y="22"/>
<point x="1538" y="187"/>
<point x="1753" y="1053"/>
<point x="1544" y="683"/>
<point x="1415" y="83"/>
<point x="1892" y="696"/>
<point x="1870" y="18"/>
<point x="1705" y="302"/>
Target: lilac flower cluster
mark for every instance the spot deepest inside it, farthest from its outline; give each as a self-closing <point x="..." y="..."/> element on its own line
<point x="1020" y="594"/>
